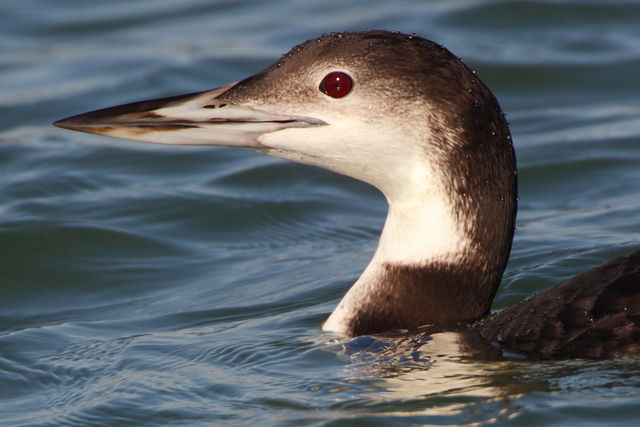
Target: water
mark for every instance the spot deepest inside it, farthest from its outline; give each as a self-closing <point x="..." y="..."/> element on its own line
<point x="148" y="285"/>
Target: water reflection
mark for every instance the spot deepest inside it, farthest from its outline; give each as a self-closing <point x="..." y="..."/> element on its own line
<point x="437" y="372"/>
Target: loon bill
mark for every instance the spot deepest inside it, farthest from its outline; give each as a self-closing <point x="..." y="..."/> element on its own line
<point x="404" y="114"/>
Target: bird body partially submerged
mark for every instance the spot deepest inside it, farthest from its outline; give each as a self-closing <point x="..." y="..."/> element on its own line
<point x="401" y="113"/>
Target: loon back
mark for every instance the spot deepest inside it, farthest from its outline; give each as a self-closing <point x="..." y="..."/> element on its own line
<point x="593" y="315"/>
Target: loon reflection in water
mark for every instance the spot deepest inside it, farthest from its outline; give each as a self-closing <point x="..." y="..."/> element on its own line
<point x="407" y="116"/>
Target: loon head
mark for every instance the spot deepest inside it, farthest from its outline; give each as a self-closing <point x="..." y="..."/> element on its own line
<point x="397" y="111"/>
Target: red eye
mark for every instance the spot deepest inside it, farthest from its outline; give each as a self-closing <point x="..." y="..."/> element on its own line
<point x="336" y="84"/>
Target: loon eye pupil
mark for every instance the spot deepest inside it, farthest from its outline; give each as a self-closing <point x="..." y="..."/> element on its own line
<point x="336" y="84"/>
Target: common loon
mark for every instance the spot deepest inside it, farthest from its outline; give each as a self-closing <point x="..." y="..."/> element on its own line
<point x="406" y="115"/>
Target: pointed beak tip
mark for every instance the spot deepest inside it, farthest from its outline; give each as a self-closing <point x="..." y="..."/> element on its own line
<point x="60" y="124"/>
<point x="67" y="123"/>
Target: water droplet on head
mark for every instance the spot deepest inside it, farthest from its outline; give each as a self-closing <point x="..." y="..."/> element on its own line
<point x="279" y="64"/>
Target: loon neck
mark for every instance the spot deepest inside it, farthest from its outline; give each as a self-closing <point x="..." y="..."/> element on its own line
<point x="419" y="232"/>
<point x="419" y="258"/>
<point x="442" y="251"/>
<point x="426" y="270"/>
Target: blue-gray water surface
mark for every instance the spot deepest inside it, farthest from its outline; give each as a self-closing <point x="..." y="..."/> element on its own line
<point x="151" y="285"/>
